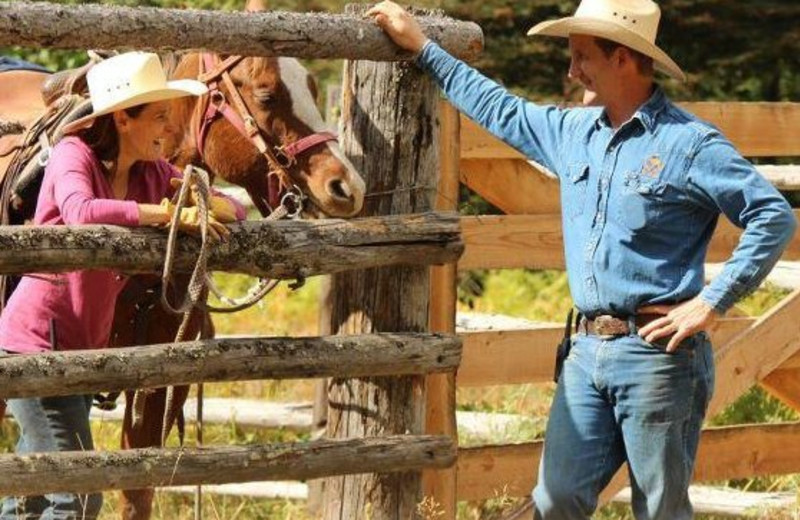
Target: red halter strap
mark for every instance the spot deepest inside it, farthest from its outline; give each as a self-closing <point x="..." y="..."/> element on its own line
<point x="217" y="104"/>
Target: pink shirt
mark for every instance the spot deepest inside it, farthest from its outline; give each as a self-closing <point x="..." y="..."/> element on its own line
<point x="76" y="191"/>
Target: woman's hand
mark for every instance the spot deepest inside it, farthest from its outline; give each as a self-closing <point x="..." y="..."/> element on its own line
<point x="220" y="208"/>
<point x="188" y="221"/>
<point x="399" y="25"/>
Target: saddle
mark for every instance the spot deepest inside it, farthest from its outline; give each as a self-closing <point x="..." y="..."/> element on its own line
<point x="66" y="98"/>
<point x="65" y="83"/>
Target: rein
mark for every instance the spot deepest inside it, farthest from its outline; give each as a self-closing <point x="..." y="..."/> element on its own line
<point x="280" y="158"/>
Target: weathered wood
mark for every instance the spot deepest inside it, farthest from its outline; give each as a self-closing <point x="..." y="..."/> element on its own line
<point x="739" y="365"/>
<point x="536" y="242"/>
<point x="514" y="186"/>
<point x="87" y="371"/>
<point x="303" y="35"/>
<point x="756" y="129"/>
<point x="276" y="249"/>
<point x="508" y="357"/>
<point x="512" y="242"/>
<point x="84" y="472"/>
<point x="440" y="419"/>
<point x="724" y="453"/>
<point x="390" y="132"/>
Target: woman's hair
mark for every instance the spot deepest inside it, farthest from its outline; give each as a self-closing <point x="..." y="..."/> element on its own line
<point x="103" y="138"/>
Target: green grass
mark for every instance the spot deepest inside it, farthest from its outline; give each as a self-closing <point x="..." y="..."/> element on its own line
<point x="540" y="296"/>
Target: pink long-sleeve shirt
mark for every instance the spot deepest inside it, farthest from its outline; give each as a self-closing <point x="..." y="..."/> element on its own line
<point x="81" y="303"/>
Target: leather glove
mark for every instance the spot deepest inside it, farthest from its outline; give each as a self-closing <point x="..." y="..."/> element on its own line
<point x="220" y="208"/>
<point x="189" y="221"/>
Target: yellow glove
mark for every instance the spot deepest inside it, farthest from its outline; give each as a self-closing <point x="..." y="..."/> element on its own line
<point x="220" y="208"/>
<point x="189" y="221"/>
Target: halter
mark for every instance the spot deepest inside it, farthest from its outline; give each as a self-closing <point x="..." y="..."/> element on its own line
<point x="279" y="158"/>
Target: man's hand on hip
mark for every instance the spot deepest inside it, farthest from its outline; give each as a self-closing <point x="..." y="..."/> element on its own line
<point x="680" y="320"/>
<point x="399" y="25"/>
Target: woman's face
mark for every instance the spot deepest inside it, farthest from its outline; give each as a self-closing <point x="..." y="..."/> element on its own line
<point x="142" y="137"/>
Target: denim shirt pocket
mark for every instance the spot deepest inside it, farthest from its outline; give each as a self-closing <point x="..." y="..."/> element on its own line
<point x="574" y="196"/>
<point x="641" y="201"/>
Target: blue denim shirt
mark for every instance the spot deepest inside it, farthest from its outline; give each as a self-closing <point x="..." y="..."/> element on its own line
<point x="639" y="203"/>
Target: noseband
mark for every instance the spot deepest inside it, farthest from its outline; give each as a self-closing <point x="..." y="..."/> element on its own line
<point x="279" y="157"/>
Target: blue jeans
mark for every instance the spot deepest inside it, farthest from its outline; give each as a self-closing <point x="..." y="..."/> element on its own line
<point x="620" y="400"/>
<point x="52" y="424"/>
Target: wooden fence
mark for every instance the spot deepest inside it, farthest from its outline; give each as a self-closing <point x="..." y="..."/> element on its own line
<point x="278" y="250"/>
<point x="749" y="351"/>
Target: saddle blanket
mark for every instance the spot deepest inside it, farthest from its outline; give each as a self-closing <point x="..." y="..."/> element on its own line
<point x="8" y="63"/>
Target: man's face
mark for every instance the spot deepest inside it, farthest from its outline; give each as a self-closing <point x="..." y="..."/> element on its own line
<point x="591" y="67"/>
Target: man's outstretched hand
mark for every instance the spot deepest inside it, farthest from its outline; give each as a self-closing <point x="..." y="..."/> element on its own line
<point x="399" y="25"/>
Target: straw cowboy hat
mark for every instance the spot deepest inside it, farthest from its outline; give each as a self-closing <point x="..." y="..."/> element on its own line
<point x="127" y="80"/>
<point x="632" y="23"/>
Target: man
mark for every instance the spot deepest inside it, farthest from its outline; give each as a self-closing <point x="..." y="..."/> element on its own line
<point x="642" y="186"/>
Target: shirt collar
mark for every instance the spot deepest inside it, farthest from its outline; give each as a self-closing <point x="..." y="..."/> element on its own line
<point x="647" y="114"/>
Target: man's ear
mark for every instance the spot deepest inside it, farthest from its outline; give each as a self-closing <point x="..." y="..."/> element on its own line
<point x="623" y="57"/>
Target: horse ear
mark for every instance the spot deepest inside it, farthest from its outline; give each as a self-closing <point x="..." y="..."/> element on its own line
<point x="253" y="6"/>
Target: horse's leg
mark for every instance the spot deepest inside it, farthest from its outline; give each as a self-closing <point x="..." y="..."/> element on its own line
<point x="159" y="326"/>
<point x="137" y="504"/>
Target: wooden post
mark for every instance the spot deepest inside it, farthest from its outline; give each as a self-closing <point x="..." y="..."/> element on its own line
<point x="390" y="132"/>
<point x="439" y="486"/>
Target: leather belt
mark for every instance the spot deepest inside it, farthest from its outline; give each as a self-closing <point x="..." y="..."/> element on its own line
<point x="607" y="325"/>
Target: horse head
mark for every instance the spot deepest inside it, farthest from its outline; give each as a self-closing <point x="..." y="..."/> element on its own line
<point x="259" y="127"/>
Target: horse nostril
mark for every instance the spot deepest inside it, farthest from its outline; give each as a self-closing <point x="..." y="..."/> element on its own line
<point x="339" y="189"/>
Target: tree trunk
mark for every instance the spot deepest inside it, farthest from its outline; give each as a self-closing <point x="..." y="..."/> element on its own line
<point x="390" y="130"/>
<point x="303" y="35"/>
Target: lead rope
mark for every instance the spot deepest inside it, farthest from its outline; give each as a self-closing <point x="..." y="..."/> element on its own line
<point x="264" y="286"/>
<point x="196" y="282"/>
<point x="201" y="278"/>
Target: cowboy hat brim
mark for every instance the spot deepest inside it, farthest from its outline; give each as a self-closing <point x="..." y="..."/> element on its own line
<point x="564" y="27"/>
<point x="174" y="89"/>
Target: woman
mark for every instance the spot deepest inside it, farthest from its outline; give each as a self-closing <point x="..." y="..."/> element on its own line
<point x="108" y="170"/>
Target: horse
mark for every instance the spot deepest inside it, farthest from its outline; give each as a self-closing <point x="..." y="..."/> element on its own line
<point x="276" y="98"/>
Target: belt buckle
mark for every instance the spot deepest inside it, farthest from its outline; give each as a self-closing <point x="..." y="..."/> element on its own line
<point x="608" y="327"/>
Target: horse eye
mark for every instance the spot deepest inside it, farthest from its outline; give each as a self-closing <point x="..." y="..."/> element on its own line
<point x="263" y="96"/>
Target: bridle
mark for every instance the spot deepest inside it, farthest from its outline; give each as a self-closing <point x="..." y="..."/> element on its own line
<point x="280" y="157"/>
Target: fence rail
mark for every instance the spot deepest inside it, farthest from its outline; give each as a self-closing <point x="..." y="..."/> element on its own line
<point x="85" y="472"/>
<point x="87" y="371"/>
<point x="302" y="35"/>
<point x="277" y="249"/>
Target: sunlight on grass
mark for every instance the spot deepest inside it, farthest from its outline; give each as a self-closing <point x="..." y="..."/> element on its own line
<point x="537" y="296"/>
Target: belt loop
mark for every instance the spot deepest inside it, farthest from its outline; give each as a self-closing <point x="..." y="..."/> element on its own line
<point x="632" y="329"/>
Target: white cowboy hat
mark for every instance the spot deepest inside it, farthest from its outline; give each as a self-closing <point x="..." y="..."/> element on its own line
<point x="127" y="80"/>
<point x="632" y="23"/>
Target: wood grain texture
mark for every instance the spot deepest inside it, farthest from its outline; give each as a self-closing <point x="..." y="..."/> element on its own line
<point x="85" y="472"/>
<point x="302" y="35"/>
<point x="724" y="453"/>
<point x="391" y="134"/>
<point x="88" y="371"/>
<point x="278" y="249"/>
